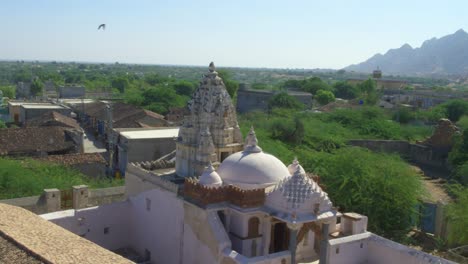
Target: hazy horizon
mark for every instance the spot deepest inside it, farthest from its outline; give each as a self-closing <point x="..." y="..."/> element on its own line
<point x="254" y="34"/>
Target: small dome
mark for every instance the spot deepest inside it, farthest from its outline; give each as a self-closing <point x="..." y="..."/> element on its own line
<point x="210" y="177"/>
<point x="298" y="193"/>
<point x="252" y="168"/>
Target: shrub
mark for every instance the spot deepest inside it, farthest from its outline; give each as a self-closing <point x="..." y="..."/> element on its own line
<point x="403" y="115"/>
<point x="284" y="100"/>
<point x="324" y="97"/>
<point x="380" y="186"/>
<point x="345" y="90"/>
<point x="457" y="214"/>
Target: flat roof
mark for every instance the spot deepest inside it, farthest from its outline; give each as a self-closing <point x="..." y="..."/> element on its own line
<point x="77" y="101"/>
<point x="27" y="103"/>
<point x="45" y="106"/>
<point x="152" y="133"/>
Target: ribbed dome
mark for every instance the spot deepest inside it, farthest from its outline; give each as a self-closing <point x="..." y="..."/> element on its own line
<point x="251" y="168"/>
<point x="298" y="193"/>
<point x="210" y="177"/>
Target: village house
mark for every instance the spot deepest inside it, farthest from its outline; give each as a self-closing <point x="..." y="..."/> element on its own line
<point x="31" y="111"/>
<point x="37" y="141"/>
<point x="95" y="116"/>
<point x="142" y="144"/>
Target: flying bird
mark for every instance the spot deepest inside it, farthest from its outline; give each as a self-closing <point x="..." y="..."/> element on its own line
<point x="103" y="26"/>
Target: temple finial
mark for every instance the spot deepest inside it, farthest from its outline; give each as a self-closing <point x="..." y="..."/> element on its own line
<point x="212" y="67"/>
<point x="251" y="142"/>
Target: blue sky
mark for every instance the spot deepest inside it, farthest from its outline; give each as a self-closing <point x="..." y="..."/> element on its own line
<point x="274" y="34"/>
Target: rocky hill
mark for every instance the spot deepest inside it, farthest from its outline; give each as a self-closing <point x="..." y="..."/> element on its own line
<point x="447" y="55"/>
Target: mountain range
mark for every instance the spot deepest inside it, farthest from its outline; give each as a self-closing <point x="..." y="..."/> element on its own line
<point x="444" y="56"/>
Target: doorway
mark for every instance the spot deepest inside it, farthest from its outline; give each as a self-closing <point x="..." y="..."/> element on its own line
<point x="279" y="238"/>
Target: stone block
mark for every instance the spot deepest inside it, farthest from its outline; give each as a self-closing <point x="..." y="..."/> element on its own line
<point x="80" y="196"/>
<point x="52" y="197"/>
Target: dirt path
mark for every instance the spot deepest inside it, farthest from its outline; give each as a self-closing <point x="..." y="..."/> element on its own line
<point x="434" y="187"/>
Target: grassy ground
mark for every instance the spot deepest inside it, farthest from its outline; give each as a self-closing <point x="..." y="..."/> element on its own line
<point x="26" y="177"/>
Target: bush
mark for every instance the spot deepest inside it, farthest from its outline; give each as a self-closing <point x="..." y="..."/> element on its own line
<point x="284" y="100"/>
<point x="403" y="115"/>
<point x="379" y="186"/>
<point x="287" y="130"/>
<point x="457" y="214"/>
<point x="324" y="97"/>
<point x="453" y="110"/>
<point x="345" y="91"/>
<point x="8" y="91"/>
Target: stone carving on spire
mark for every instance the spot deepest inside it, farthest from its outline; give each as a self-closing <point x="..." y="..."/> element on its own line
<point x="211" y="109"/>
<point x="251" y="142"/>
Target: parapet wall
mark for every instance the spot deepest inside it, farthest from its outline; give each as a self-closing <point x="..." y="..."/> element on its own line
<point x="234" y="195"/>
<point x="414" y="152"/>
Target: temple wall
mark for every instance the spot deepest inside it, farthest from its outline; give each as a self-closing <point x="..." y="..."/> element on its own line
<point x="91" y="223"/>
<point x="204" y="238"/>
<point x="370" y="248"/>
<point x="157" y="225"/>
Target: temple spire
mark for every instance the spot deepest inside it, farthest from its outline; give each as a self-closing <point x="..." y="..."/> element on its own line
<point x="251" y="142"/>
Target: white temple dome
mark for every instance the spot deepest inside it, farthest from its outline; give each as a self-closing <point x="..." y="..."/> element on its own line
<point x="252" y="168"/>
<point x="210" y="177"/>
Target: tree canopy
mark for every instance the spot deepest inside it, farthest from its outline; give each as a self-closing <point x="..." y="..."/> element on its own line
<point x="36" y="87"/>
<point x="284" y="100"/>
<point x="324" y="97"/>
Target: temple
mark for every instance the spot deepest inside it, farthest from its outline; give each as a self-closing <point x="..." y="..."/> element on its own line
<point x="227" y="201"/>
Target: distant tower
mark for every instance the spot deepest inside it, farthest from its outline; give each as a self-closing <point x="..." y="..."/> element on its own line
<point x="210" y="132"/>
<point x="377" y="74"/>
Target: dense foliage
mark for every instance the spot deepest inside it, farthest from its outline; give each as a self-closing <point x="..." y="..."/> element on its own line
<point x="324" y="97"/>
<point x="452" y="109"/>
<point x="457" y="212"/>
<point x="284" y="100"/>
<point x="380" y="186"/>
<point x="8" y="91"/>
<point x="20" y="178"/>
<point x="345" y="90"/>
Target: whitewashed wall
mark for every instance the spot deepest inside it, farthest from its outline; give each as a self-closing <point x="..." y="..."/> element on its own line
<point x="159" y="229"/>
<point x="90" y="224"/>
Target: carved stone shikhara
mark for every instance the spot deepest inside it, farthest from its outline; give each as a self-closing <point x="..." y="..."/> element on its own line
<point x="210" y="132"/>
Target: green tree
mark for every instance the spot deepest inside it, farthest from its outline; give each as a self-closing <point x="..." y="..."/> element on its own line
<point x="2" y="124"/>
<point x="379" y="186"/>
<point x="403" y="115"/>
<point x="456" y="109"/>
<point x="8" y="91"/>
<point x="162" y="98"/>
<point x="314" y="84"/>
<point x="345" y="90"/>
<point x="184" y="88"/>
<point x="36" y="87"/>
<point x="459" y="153"/>
<point x="324" y="97"/>
<point x="284" y="100"/>
<point x="120" y="83"/>
<point x="368" y="91"/>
